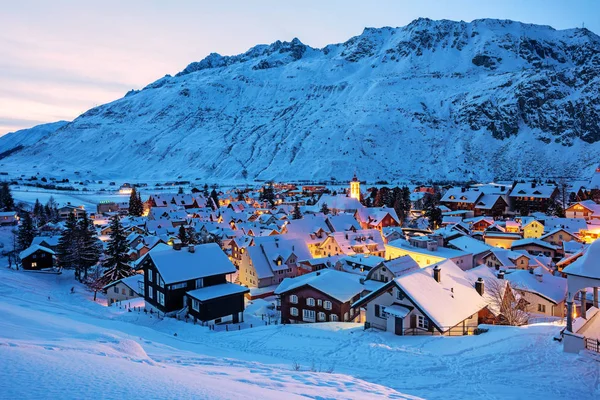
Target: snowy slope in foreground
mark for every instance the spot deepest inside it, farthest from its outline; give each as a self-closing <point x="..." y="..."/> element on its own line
<point x="431" y="100"/>
<point x="68" y="347"/>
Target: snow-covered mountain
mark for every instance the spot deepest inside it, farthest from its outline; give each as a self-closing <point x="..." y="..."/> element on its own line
<point x="431" y="100"/>
<point x="15" y="141"/>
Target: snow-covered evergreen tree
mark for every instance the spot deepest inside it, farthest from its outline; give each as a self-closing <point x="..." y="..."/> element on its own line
<point x="26" y="232"/>
<point x="67" y="250"/>
<point x="136" y="207"/>
<point x="7" y="203"/>
<point x="89" y="246"/>
<point x="296" y="214"/>
<point x="116" y="253"/>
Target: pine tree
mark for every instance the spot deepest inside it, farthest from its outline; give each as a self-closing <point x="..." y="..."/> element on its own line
<point x="136" y="208"/>
<point x="432" y="212"/>
<point x="116" y="253"/>
<point x="296" y="214"/>
<point x="51" y="209"/>
<point x="89" y="247"/>
<point x="205" y="191"/>
<point x="39" y="213"/>
<point x="406" y="202"/>
<point x="183" y="236"/>
<point x="67" y="249"/>
<point x="215" y="199"/>
<point x="7" y="203"/>
<point x="26" y="232"/>
<point x="268" y="194"/>
<point x="325" y="209"/>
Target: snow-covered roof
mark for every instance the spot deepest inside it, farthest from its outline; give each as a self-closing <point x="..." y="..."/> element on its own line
<point x="268" y="250"/>
<point x="588" y="265"/>
<point x="339" y="202"/>
<point x="401" y="265"/>
<point x="398" y="310"/>
<point x="532" y="242"/>
<point x="32" y="249"/>
<point x="487" y="201"/>
<point x="336" y="284"/>
<point x="553" y="288"/>
<point x="49" y="240"/>
<point x="182" y="265"/>
<point x="216" y="291"/>
<point x="527" y="189"/>
<point x="468" y="244"/>
<point x="441" y="251"/>
<point x="461" y="195"/>
<point x="342" y="222"/>
<point x="368" y="240"/>
<point x="490" y="283"/>
<point x="131" y="282"/>
<point x="447" y="302"/>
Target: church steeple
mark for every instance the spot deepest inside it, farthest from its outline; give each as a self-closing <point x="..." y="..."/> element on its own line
<point x="355" y="188"/>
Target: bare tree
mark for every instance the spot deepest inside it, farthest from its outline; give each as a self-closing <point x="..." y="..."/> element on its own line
<point x="506" y="302"/>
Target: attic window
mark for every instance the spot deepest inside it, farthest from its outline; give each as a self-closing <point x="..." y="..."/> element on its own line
<point x="452" y="197"/>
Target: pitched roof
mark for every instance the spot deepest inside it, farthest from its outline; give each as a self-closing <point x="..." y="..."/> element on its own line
<point x="217" y="291"/>
<point x="527" y="189"/>
<point x="460" y="195"/>
<point x="586" y="265"/>
<point x="182" y="265"/>
<point x="336" y="284"/>
<point x="32" y="249"/>
<point x="553" y="288"/>
<point x="532" y="242"/>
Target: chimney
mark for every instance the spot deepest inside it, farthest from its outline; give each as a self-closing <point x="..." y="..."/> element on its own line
<point x="177" y="244"/>
<point x="479" y="286"/>
<point x="191" y="248"/>
<point x="501" y="275"/>
<point x="437" y="273"/>
<point x="539" y="275"/>
<point x="462" y="189"/>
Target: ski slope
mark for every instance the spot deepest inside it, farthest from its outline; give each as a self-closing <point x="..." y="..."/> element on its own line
<point x="54" y="344"/>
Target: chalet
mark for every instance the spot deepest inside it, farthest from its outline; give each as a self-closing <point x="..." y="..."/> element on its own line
<point x="63" y="212"/>
<point x="427" y="250"/>
<point x="502" y="259"/>
<point x="480" y="224"/>
<point x="174" y="278"/>
<point x="387" y="270"/>
<point x="473" y="246"/>
<point x="8" y="218"/>
<point x="492" y="205"/>
<point x="460" y="198"/>
<point x="500" y="239"/>
<point x="439" y="299"/>
<point x="532" y="228"/>
<point x="342" y="223"/>
<point x="317" y="264"/>
<point x="320" y="296"/>
<point x="392" y="233"/>
<point x="50" y="242"/>
<point x="544" y="293"/>
<point x="587" y="209"/>
<point x="107" y="206"/>
<point x="365" y="241"/>
<point x="531" y="197"/>
<point x="377" y="218"/>
<point x="37" y="257"/>
<point x="313" y="230"/>
<point x="124" y="289"/>
<point x="239" y="245"/>
<point x="271" y="260"/>
<point x="358" y="264"/>
<point x="558" y="236"/>
<point x="534" y="247"/>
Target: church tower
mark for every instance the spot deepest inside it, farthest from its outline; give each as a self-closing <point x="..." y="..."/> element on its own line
<point x="355" y="188"/>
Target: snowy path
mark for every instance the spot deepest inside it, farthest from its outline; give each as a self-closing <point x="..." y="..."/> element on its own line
<point x="83" y="348"/>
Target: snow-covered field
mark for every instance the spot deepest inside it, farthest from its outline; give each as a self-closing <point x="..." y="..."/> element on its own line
<point x="54" y="344"/>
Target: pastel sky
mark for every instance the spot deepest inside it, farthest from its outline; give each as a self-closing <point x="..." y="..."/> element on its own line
<point x="59" y="58"/>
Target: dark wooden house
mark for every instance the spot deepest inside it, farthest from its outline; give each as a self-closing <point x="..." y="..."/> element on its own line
<point x="321" y="296"/>
<point x="174" y="278"/>
<point x="37" y="257"/>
